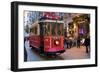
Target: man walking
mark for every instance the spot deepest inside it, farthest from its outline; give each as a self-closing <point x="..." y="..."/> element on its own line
<point x="87" y="44"/>
<point x="78" y="42"/>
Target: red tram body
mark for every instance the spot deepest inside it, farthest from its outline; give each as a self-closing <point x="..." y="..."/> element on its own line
<point x="47" y="36"/>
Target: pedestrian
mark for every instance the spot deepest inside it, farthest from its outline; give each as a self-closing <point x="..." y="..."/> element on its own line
<point x="67" y="42"/>
<point x="70" y="43"/>
<point x="25" y="55"/>
<point x="78" y="42"/>
<point x="87" y="44"/>
<point x="25" y="52"/>
<point x="26" y="38"/>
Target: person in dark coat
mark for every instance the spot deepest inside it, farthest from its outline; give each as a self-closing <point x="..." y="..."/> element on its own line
<point x="78" y="42"/>
<point x="25" y="52"/>
<point x="67" y="42"/>
<point x="70" y="43"/>
<point x="87" y="44"/>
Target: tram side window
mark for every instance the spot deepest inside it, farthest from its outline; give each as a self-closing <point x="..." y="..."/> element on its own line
<point x="33" y="30"/>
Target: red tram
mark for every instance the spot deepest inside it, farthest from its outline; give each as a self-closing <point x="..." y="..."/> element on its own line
<point x="47" y="36"/>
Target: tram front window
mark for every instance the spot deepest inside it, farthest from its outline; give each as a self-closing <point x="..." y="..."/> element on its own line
<point x="46" y="29"/>
<point x="57" y="29"/>
<point x="52" y="28"/>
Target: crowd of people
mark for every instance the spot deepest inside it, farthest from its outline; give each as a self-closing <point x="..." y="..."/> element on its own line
<point x="70" y="42"/>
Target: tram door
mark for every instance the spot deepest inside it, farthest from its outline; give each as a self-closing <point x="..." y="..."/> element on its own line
<point x="41" y="37"/>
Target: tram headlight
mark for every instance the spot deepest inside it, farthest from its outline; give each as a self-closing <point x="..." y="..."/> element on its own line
<point x="56" y="42"/>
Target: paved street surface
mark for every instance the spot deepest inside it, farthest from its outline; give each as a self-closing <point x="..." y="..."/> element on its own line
<point x="72" y="53"/>
<point x="75" y="53"/>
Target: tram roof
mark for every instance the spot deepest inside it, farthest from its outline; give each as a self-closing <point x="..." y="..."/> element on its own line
<point x="58" y="21"/>
<point x="37" y="22"/>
